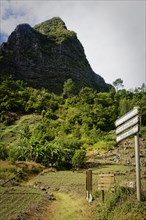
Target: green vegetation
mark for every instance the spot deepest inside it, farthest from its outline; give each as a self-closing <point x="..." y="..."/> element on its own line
<point x="55" y="30"/>
<point x="18" y="201"/>
<point x="78" y="158"/>
<point x="70" y="207"/>
<point x="40" y="126"/>
<point x="69" y="190"/>
<point x="18" y="172"/>
<point x="120" y="204"/>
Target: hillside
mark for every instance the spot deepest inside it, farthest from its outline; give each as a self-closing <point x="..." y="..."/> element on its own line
<point x="46" y="56"/>
<point x="66" y="135"/>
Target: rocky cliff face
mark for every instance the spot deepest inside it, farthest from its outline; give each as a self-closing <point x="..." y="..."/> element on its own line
<point x="46" y="56"/>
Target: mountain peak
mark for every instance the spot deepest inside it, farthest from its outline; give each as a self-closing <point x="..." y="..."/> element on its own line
<point x="55" y="22"/>
<point x="55" y="29"/>
<point x="46" y="56"/>
<point x="23" y="28"/>
<point x="47" y="26"/>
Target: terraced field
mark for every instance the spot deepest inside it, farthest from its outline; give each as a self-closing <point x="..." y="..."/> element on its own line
<point x="30" y="198"/>
<point x="17" y="200"/>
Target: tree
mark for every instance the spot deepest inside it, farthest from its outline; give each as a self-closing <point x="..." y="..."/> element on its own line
<point x="143" y="87"/>
<point x="118" y="83"/>
<point x="124" y="106"/>
<point x="69" y="88"/>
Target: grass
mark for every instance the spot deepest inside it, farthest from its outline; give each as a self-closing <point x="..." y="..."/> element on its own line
<point x="10" y="134"/>
<point x="121" y="205"/>
<point x="69" y="206"/>
<point x="75" y="181"/>
<point x="70" y="191"/>
<point x="9" y="170"/>
<point x="64" y="181"/>
<point x="14" y="201"/>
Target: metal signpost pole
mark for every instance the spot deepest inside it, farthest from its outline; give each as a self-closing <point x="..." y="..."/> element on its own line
<point x="137" y="161"/>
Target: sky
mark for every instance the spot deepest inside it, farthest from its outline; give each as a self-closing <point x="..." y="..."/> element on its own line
<point x="112" y="32"/>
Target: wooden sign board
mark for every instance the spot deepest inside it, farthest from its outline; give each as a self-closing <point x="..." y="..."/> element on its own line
<point x="106" y="182"/>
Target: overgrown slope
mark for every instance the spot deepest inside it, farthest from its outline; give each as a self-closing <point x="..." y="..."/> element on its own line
<point x="57" y="130"/>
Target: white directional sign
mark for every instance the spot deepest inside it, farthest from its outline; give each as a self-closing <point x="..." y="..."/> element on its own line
<point x="126" y="117"/>
<point x="133" y="130"/>
<point x="128" y="124"/>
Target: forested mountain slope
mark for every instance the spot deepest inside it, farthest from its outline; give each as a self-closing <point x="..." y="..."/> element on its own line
<point x="64" y="126"/>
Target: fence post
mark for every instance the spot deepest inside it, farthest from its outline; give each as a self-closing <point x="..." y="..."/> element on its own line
<point x="89" y="185"/>
<point x="102" y="191"/>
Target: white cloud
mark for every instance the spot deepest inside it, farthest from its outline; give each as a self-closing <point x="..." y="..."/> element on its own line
<point x="112" y="32"/>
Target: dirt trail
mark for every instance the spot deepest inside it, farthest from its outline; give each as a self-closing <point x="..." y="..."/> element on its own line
<point x="69" y="207"/>
<point x="66" y="207"/>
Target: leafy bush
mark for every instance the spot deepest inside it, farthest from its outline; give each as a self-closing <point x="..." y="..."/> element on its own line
<point x="78" y="158"/>
<point x="3" y="152"/>
<point x="114" y="201"/>
<point x="8" y="118"/>
<point x="103" y="145"/>
<point x="16" y="153"/>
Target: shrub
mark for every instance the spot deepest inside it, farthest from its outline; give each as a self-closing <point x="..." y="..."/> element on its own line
<point x="78" y="158"/>
<point x="3" y="152"/>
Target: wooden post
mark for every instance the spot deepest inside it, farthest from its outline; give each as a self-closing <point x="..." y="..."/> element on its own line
<point x="89" y="185"/>
<point x="89" y="180"/>
<point x="137" y="161"/>
<point x="102" y="192"/>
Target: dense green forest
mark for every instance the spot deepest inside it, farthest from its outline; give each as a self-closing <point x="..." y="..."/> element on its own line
<point x="70" y="123"/>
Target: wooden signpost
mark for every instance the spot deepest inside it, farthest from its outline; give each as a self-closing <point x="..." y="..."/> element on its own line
<point x="89" y="185"/>
<point x="106" y="182"/>
<point x="128" y="125"/>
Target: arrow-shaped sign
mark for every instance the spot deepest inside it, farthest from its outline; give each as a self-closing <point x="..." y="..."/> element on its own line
<point x="128" y="124"/>
<point x="126" y="117"/>
<point x="127" y="133"/>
